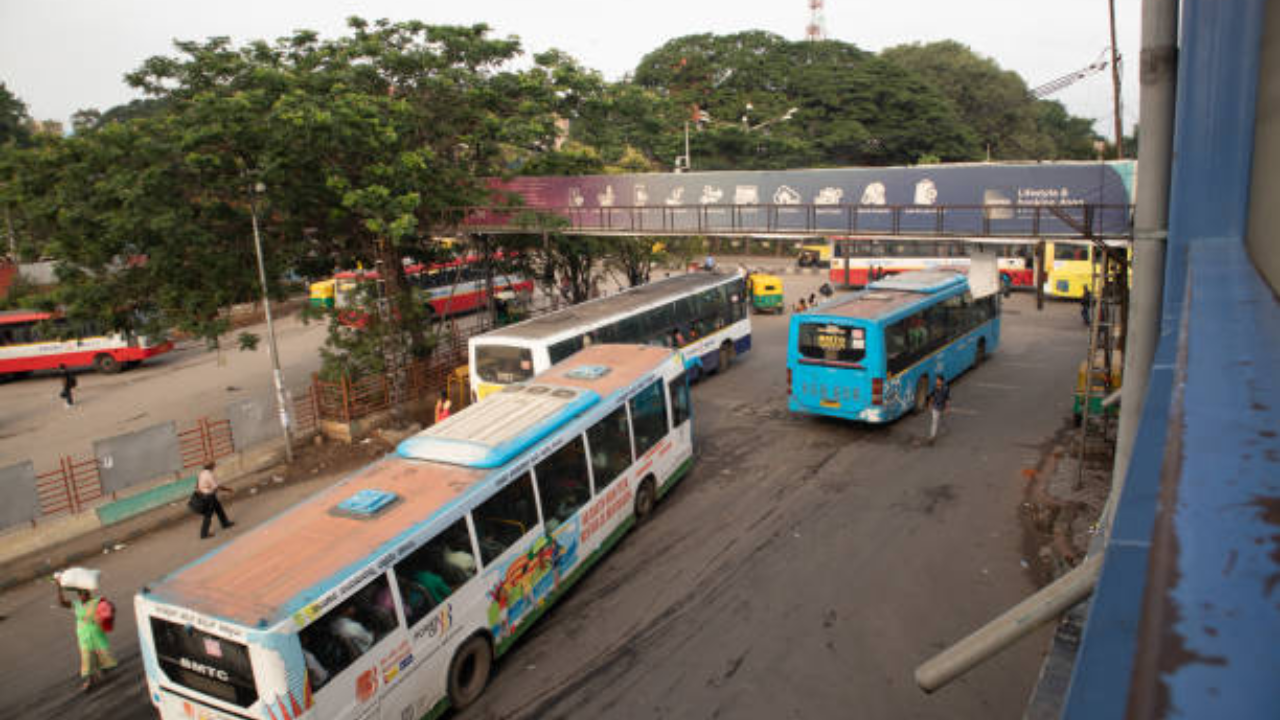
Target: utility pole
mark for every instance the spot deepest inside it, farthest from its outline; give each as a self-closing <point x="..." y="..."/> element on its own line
<point x="1115" y="83"/>
<point x="281" y="403"/>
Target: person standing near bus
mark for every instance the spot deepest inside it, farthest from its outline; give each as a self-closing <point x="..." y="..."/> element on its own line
<point x="443" y="406"/>
<point x="68" y="385"/>
<point x="939" y="399"/>
<point x="95" y="649"/>
<point x="208" y="487"/>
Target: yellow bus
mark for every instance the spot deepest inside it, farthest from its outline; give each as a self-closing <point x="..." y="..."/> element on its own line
<point x="1068" y="268"/>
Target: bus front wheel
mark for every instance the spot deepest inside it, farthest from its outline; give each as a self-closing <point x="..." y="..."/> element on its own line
<point x="645" y="498"/>
<point x="106" y="364"/>
<point x="981" y="355"/>
<point x="922" y="393"/>
<point x="469" y="671"/>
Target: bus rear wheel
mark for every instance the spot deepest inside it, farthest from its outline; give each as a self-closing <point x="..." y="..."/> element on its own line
<point x="106" y="364"/>
<point x="922" y="393"/>
<point x="645" y="499"/>
<point x="469" y="671"/>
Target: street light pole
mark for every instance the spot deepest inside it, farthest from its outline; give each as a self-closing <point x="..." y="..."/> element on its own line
<point x="688" y="161"/>
<point x="281" y="404"/>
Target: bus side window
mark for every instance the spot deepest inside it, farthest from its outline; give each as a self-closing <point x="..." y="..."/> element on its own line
<point x="563" y="484"/>
<point x="895" y="347"/>
<point x="564" y="349"/>
<point x="429" y="575"/>
<point x="680" y="410"/>
<point x="505" y="518"/>
<point x="649" y="417"/>
<point x="336" y="639"/>
<point x="610" y="441"/>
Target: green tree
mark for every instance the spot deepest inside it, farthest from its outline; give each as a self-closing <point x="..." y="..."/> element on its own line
<point x="773" y="103"/>
<point x="13" y="119"/>
<point x="995" y="103"/>
<point x="363" y="147"/>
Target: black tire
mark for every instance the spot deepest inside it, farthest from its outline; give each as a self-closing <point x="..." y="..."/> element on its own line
<point x="922" y="393"/>
<point x="469" y="671"/>
<point x="981" y="355"/>
<point x="107" y="365"/>
<point x="646" y="498"/>
<point x="726" y="357"/>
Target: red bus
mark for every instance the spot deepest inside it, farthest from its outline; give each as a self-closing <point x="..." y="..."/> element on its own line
<point x="32" y="340"/>
<point x="450" y="288"/>
<point x="858" y="261"/>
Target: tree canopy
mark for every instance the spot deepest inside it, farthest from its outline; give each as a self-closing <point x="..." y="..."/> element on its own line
<point x="996" y="104"/>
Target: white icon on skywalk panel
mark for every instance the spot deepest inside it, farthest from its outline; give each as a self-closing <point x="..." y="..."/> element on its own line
<point x="874" y="194"/>
<point x="926" y="192"/>
<point x="642" y="195"/>
<point x="575" y="197"/>
<point x="676" y="197"/>
<point x="829" y="196"/>
<point x="605" y="198"/>
<point x="786" y="196"/>
<point x="746" y="195"/>
<point x="710" y="195"/>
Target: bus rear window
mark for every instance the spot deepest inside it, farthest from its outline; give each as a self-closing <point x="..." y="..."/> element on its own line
<point x="832" y="343"/>
<point x="205" y="663"/>
<point x="503" y="363"/>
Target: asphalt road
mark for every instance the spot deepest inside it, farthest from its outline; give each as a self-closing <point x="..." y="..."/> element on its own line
<point x="801" y="570"/>
<point x="179" y="386"/>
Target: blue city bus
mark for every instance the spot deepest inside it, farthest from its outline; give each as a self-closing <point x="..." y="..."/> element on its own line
<point x="873" y="356"/>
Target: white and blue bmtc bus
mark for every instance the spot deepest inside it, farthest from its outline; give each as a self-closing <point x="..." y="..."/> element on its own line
<point x="873" y="356"/>
<point x="390" y="594"/>
<point x="703" y="315"/>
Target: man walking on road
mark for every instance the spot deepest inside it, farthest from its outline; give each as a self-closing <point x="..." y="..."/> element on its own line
<point x="939" y="398"/>
<point x="208" y="487"/>
<point x="68" y="384"/>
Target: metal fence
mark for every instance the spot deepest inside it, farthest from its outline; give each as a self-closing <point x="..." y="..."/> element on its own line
<point x="346" y="400"/>
<point x="70" y="488"/>
<point x="78" y="484"/>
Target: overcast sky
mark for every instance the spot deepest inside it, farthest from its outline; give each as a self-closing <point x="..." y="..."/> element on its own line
<point x="59" y="56"/>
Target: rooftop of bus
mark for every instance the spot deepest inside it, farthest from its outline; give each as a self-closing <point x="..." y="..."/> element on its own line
<point x="552" y="324"/>
<point x="10" y="317"/>
<point x="265" y="576"/>
<point x="491" y="433"/>
<point x="890" y="295"/>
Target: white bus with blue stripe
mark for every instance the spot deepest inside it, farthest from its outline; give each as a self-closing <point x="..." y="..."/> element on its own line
<point x="391" y="594"/>
<point x="703" y="315"/>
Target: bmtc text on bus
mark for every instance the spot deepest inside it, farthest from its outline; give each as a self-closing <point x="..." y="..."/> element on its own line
<point x="703" y="315"/>
<point x="391" y="594"/>
<point x="872" y="356"/>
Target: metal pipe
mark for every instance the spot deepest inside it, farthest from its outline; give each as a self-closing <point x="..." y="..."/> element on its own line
<point x="1159" y="72"/>
<point x="1113" y="398"/>
<point x="1042" y="607"/>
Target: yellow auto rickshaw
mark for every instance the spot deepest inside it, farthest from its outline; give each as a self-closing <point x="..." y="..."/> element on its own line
<point x="766" y="293"/>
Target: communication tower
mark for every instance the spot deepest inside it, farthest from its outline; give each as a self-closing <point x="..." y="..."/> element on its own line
<point x="816" y="29"/>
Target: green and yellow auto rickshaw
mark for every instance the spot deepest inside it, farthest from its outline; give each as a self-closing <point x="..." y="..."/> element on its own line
<point x="766" y="293"/>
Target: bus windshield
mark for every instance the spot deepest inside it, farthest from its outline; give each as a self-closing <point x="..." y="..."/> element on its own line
<point x="504" y="363"/>
<point x="824" y="342"/>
